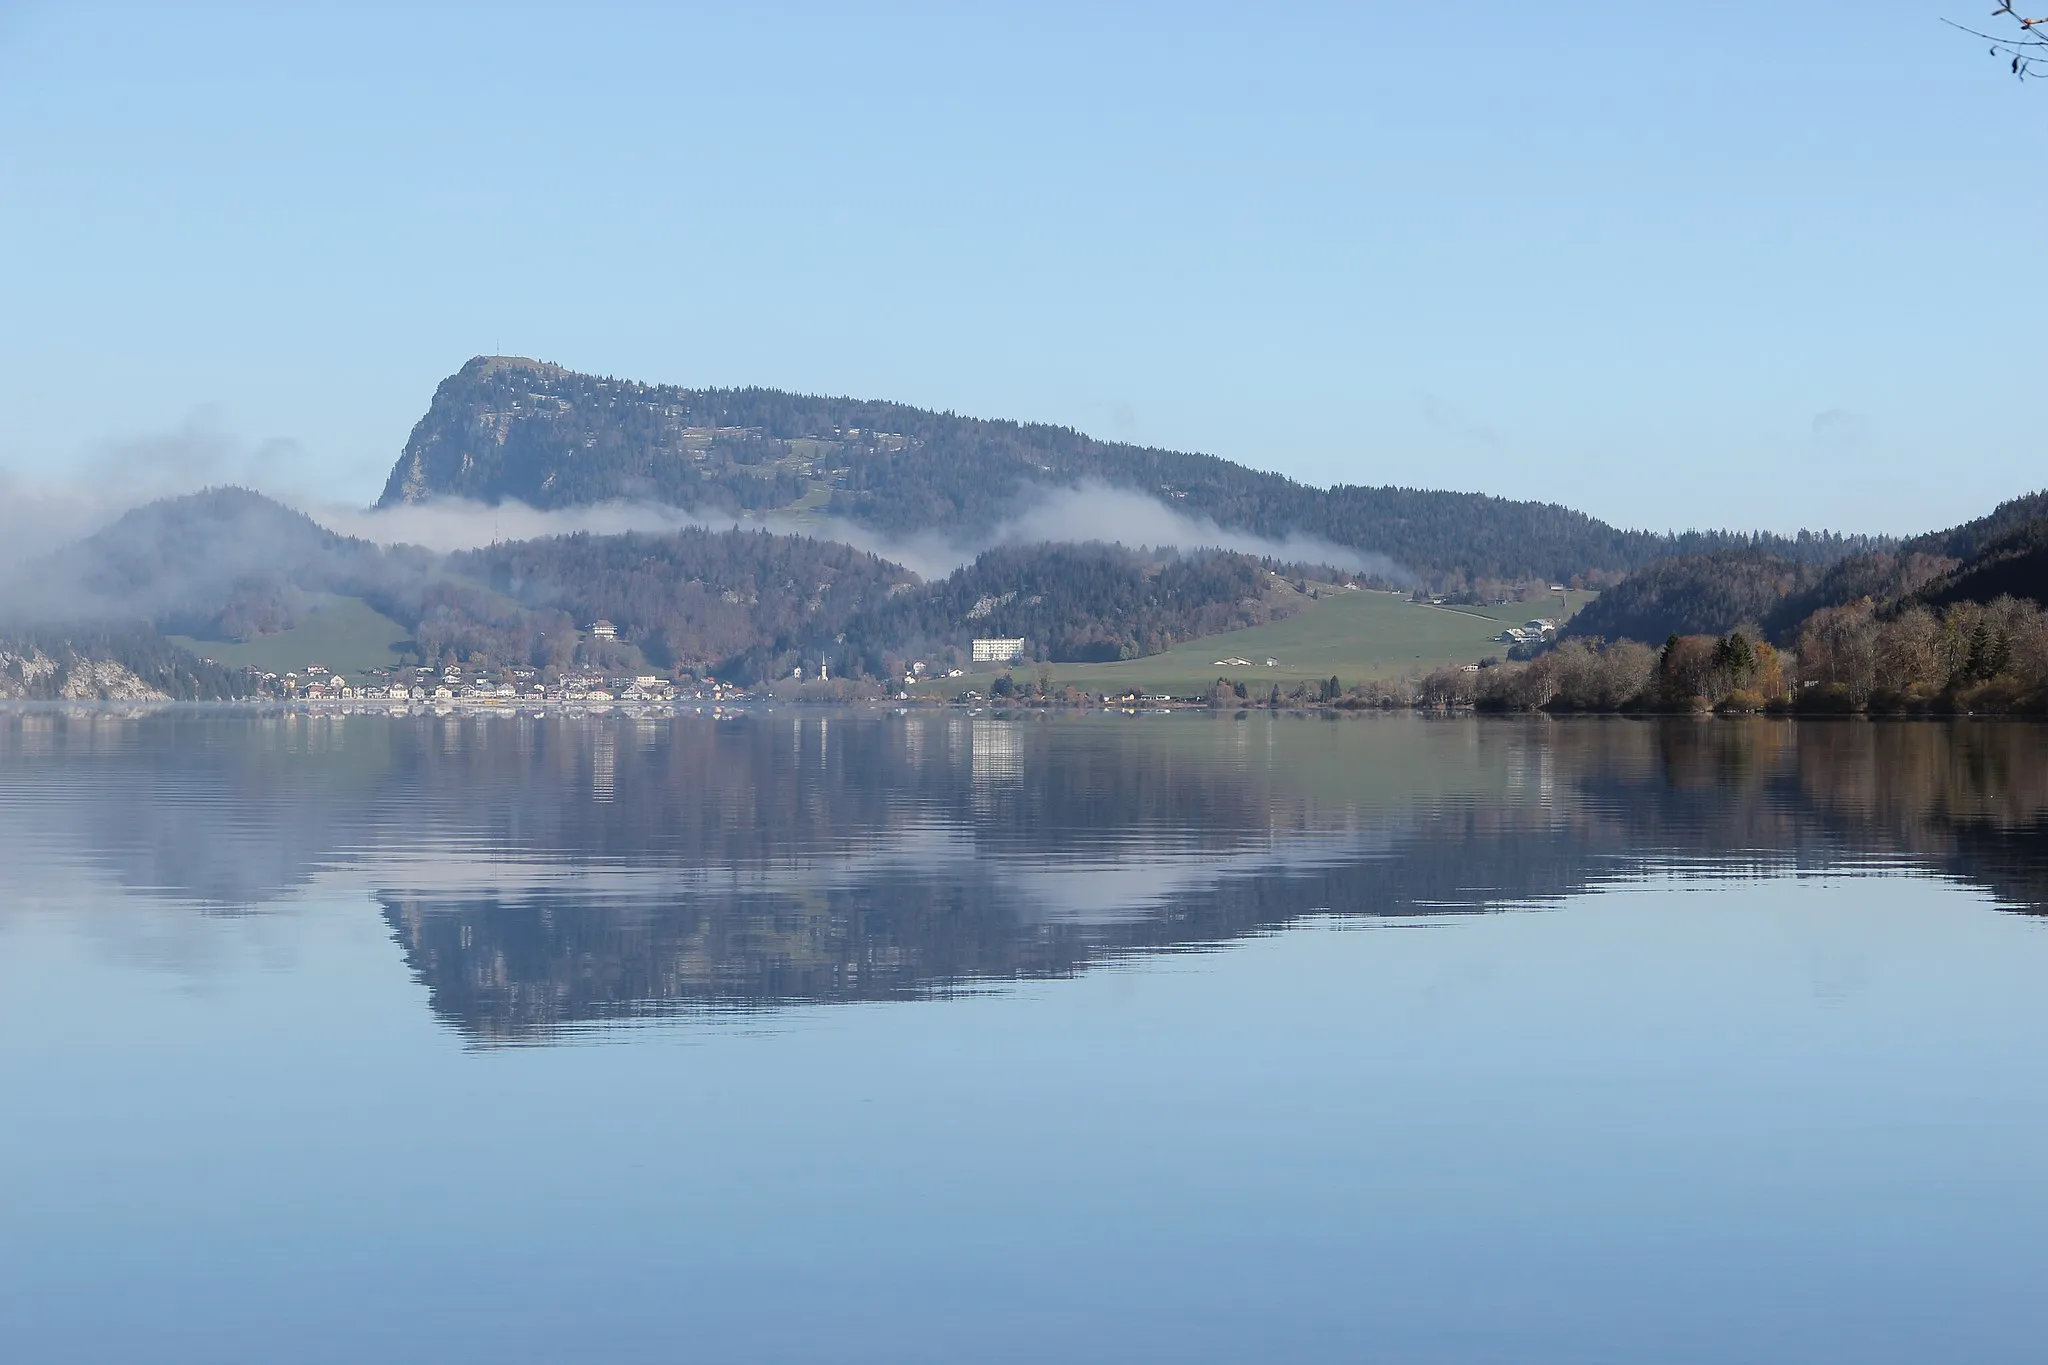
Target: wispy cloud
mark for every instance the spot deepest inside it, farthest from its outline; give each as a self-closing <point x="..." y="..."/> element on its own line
<point x="1089" y="511"/>
<point x="42" y="514"/>
<point x="1096" y="511"/>
<point x="448" y="524"/>
<point x="36" y="518"/>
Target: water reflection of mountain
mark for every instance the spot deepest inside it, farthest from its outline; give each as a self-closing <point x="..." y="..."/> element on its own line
<point x="539" y="874"/>
<point x="504" y="966"/>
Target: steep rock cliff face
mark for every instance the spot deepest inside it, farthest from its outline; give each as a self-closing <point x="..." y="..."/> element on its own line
<point x="36" y="676"/>
<point x="120" y="663"/>
<point x="458" y="447"/>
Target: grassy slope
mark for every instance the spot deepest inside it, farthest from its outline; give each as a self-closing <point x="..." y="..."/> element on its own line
<point x="1352" y="636"/>
<point x="341" y="633"/>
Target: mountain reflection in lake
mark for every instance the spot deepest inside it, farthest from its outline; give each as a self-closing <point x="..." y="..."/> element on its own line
<point x="542" y="874"/>
<point x="941" y="1037"/>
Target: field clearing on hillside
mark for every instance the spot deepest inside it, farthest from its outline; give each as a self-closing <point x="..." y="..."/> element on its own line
<point x="1351" y="636"/>
<point x="345" y="634"/>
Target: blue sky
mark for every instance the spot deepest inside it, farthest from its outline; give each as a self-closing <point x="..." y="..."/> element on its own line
<point x="1742" y="264"/>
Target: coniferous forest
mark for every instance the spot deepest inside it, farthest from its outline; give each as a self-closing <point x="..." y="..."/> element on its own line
<point x="506" y="428"/>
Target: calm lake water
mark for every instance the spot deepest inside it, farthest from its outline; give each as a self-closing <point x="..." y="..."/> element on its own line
<point x="835" y="1037"/>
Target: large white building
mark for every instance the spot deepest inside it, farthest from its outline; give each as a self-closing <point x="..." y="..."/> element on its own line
<point x="997" y="651"/>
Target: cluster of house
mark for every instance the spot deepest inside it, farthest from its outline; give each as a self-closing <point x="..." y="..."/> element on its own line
<point x="1530" y="632"/>
<point x="919" y="671"/>
<point x="506" y="687"/>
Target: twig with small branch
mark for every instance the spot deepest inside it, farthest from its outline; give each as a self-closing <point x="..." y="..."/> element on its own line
<point x="2028" y="52"/>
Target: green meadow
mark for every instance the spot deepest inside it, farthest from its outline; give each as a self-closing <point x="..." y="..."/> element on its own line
<point x="344" y="634"/>
<point x="1351" y="636"/>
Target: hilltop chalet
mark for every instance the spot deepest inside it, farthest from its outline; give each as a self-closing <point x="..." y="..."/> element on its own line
<point x="603" y="630"/>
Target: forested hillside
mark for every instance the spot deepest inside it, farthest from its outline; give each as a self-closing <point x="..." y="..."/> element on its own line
<point x="1973" y="538"/>
<point x="222" y="563"/>
<point x="108" y="663"/>
<point x="694" y="599"/>
<point x="520" y="429"/>
<point x="749" y="605"/>
<point x="228" y="564"/>
<point x="1079" y="603"/>
<point x="2003" y="554"/>
<point x="2013" y="565"/>
<point x="231" y="565"/>
<point x="1694" y="594"/>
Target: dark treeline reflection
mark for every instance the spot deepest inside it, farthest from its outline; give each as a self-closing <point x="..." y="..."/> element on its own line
<point x="541" y="873"/>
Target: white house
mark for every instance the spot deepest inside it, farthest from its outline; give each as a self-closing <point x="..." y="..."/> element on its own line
<point x="997" y="650"/>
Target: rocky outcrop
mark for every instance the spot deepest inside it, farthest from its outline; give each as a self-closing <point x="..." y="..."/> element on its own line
<point x="35" y="676"/>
